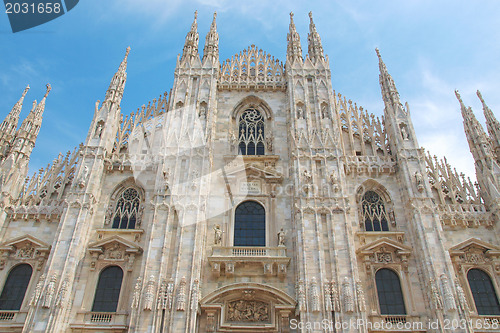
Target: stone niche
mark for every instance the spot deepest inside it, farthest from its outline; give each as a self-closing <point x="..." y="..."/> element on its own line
<point x="246" y="307"/>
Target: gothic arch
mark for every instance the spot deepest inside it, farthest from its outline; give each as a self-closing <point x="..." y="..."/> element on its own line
<point x="129" y="183"/>
<point x="275" y="308"/>
<point x="252" y="101"/>
<point x="373" y="185"/>
<point x="375" y="207"/>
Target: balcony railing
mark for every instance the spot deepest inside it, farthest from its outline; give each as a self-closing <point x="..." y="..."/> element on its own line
<point x="7" y="315"/>
<point x="248" y="251"/>
<point x="225" y="258"/>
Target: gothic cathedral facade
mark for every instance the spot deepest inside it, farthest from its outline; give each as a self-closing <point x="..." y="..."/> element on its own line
<point x="251" y="198"/>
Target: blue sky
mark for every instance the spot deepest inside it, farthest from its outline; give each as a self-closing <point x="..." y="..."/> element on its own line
<point x="430" y="48"/>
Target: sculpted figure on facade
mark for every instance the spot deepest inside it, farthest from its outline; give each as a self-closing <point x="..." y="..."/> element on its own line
<point x="149" y="294"/>
<point x="217" y="235"/>
<point x="181" y="295"/>
<point x="50" y="291"/>
<point x="38" y="291"/>
<point x="137" y="293"/>
<point x="348" y="296"/>
<point x="281" y="237"/>
<point x="449" y="299"/>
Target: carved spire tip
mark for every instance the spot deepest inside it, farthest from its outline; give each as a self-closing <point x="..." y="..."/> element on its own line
<point x="49" y="88"/>
<point x="378" y="52"/>
<point x="215" y="15"/>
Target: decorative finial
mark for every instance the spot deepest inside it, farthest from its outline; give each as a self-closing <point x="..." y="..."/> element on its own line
<point x="48" y="90"/>
<point x="215" y="15"/>
<point x="458" y="96"/>
<point x="34" y="105"/>
<point x="480" y="96"/>
<point x="26" y="90"/>
<point x="378" y="52"/>
<point x="127" y="51"/>
<point x="195" y="14"/>
<point x="291" y="15"/>
<point x="311" y="16"/>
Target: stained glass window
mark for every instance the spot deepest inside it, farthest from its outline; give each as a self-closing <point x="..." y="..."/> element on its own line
<point x="251" y="133"/>
<point x="373" y="212"/>
<point x="126" y="210"/>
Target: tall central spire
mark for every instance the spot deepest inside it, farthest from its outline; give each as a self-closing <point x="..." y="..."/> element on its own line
<point x="117" y="85"/>
<point x="190" y="50"/>
<point x="294" y="49"/>
<point x="389" y="91"/>
<point x="315" y="49"/>
<point x="211" y="49"/>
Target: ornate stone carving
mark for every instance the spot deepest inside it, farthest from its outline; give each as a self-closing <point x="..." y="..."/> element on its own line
<point x="61" y="295"/>
<point x="328" y="296"/>
<point x="195" y="290"/>
<point x="474" y="255"/>
<point x="334" y="181"/>
<point x="314" y="295"/>
<point x="137" y="293"/>
<point x="161" y="303"/>
<point x="50" y="291"/>
<point x="38" y="291"/>
<point x="248" y="311"/>
<point x="449" y="299"/>
<point x="26" y="251"/>
<point x="170" y="293"/>
<point x="149" y="293"/>
<point x="114" y="251"/>
<point x="301" y="295"/>
<point x="463" y="305"/>
<point x="181" y="295"/>
<point x="335" y="297"/>
<point x="83" y="177"/>
<point x="360" y="295"/>
<point x="437" y="301"/>
<point x="347" y="294"/>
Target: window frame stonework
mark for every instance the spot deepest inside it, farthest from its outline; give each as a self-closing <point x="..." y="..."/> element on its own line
<point x="378" y="292"/>
<point x="251" y="131"/>
<point x="114" y="200"/>
<point x="262" y="222"/>
<point x="476" y="254"/>
<point x="494" y="294"/>
<point x="25" y="286"/>
<point x="373" y="186"/>
<point x="120" y="289"/>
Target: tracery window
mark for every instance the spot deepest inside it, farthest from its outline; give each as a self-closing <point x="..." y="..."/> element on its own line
<point x="250" y="224"/>
<point x="127" y="209"/>
<point x="108" y="289"/>
<point x="483" y="292"/>
<point x="251" y="135"/>
<point x="15" y="287"/>
<point x="374" y="213"/>
<point x="390" y="296"/>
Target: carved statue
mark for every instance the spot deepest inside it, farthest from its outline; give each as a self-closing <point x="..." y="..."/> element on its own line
<point x="335" y="297"/>
<point x="404" y="133"/>
<point x="98" y="129"/>
<point x="162" y="296"/>
<point x="307" y="176"/>
<point x="194" y="295"/>
<point x="419" y="180"/>
<point x="83" y="177"/>
<point x="269" y="144"/>
<point x="300" y="112"/>
<point x="50" y="292"/>
<point x="217" y="235"/>
<point x="61" y="295"/>
<point x="334" y="181"/>
<point x="137" y="293"/>
<point x="281" y="237"/>
<point x="328" y="296"/>
<point x="462" y="300"/>
<point x="170" y="293"/>
<point x="38" y="291"/>
<point x="324" y="112"/>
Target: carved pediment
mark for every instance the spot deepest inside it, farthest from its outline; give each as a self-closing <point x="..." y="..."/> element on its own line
<point x="385" y="250"/>
<point x="114" y="247"/>
<point x="474" y="251"/>
<point x="256" y="167"/>
<point x="26" y="247"/>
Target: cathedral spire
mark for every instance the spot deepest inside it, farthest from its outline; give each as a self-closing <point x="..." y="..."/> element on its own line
<point x="190" y="50"/>
<point x="117" y="85"/>
<point x="9" y="125"/>
<point x="315" y="49"/>
<point x="389" y="91"/>
<point x="476" y="136"/>
<point x="294" y="49"/>
<point x="493" y="126"/>
<point x="211" y="49"/>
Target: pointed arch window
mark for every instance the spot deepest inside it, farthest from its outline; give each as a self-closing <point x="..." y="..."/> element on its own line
<point x="108" y="290"/>
<point x="127" y="209"/>
<point x="15" y="287"/>
<point x="250" y="224"/>
<point x="374" y="213"/>
<point x="251" y="135"/>
<point x="390" y="296"/>
<point x="483" y="292"/>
